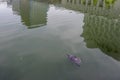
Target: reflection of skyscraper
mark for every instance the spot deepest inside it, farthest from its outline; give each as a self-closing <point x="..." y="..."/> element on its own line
<point x="33" y="14"/>
<point x="25" y="12"/>
<point x="103" y="33"/>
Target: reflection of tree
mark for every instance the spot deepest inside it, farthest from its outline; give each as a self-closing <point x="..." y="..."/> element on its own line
<point x="99" y="3"/>
<point x="103" y="33"/>
<point x="49" y="1"/>
<point x="94" y="7"/>
<point x="54" y="1"/>
<point x="109" y="2"/>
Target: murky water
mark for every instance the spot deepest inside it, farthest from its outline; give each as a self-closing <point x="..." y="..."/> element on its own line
<point x="36" y="35"/>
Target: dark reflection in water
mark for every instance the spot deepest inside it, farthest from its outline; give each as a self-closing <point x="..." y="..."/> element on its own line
<point x="100" y="32"/>
<point x="33" y="13"/>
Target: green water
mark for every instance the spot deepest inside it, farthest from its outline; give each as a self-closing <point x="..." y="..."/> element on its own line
<point x="36" y="35"/>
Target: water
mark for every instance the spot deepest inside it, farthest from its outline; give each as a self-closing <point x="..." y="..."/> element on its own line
<point x="36" y="35"/>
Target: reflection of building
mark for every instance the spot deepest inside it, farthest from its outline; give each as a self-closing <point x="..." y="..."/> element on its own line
<point x="33" y="13"/>
<point x="103" y="33"/>
<point x="25" y="12"/>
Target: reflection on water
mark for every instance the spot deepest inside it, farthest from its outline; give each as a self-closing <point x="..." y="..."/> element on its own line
<point x="100" y="32"/>
<point x="33" y="13"/>
<point x="98" y="19"/>
<point x="112" y="12"/>
<point x="97" y="3"/>
<point x="36" y="36"/>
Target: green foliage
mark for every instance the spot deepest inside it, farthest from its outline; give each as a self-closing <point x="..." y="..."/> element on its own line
<point x="109" y="2"/>
<point x="95" y="2"/>
<point x="100" y="32"/>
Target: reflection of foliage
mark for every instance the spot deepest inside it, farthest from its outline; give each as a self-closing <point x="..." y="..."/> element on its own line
<point x="94" y="8"/>
<point x="50" y="1"/>
<point x="83" y="1"/>
<point x="55" y="1"/>
<point x="109" y="2"/>
<point x="102" y="33"/>
<point x="95" y="2"/>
